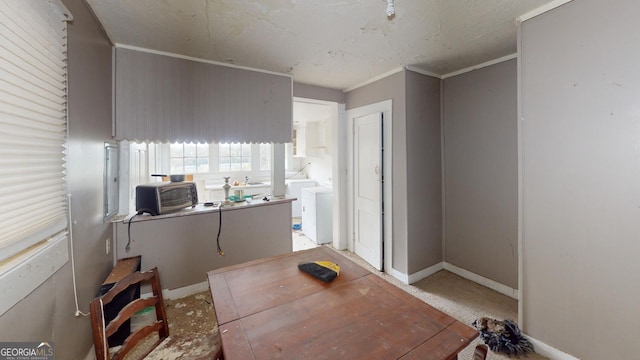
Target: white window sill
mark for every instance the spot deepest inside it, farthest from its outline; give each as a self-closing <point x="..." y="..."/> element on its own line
<point x="20" y="275"/>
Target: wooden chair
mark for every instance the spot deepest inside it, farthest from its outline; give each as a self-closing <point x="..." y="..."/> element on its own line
<point x="198" y="346"/>
<point x="480" y="353"/>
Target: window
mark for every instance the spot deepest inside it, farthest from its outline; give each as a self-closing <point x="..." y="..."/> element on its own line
<point x="234" y="157"/>
<point x="265" y="156"/>
<point x="209" y="162"/>
<point x="189" y="158"/>
<point x="33" y="124"/>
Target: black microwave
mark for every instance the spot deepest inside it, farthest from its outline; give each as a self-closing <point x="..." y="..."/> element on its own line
<point x="165" y="197"/>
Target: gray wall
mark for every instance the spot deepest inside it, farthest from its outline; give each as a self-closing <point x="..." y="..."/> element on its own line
<point x="481" y="172"/>
<point x="391" y="87"/>
<point x="580" y="138"/>
<point x="47" y="314"/>
<point x="424" y="166"/>
<point x="317" y="93"/>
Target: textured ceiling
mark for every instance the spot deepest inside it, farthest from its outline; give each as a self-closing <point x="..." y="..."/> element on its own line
<point x="331" y="43"/>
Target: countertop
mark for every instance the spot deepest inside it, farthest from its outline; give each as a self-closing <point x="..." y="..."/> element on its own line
<point x="236" y="187"/>
<point x="202" y="209"/>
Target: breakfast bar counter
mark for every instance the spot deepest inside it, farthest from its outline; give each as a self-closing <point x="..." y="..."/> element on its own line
<point x="203" y="208"/>
<point x="183" y="244"/>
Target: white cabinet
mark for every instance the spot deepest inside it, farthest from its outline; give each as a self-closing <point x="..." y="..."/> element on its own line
<point x="299" y="143"/>
<point x="316" y="214"/>
<point x="310" y="139"/>
<point x="315" y="138"/>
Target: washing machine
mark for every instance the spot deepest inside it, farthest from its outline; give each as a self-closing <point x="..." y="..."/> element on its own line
<point x="317" y="215"/>
<point x="294" y="189"/>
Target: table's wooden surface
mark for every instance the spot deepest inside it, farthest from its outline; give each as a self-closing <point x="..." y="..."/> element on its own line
<point x="268" y="309"/>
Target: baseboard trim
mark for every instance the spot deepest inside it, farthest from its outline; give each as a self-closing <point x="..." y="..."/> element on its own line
<point x="540" y="347"/>
<point x="404" y="278"/>
<point x="415" y="277"/>
<point x="410" y="279"/>
<point x="172" y="294"/>
<point x="91" y="355"/>
<point x="185" y="290"/>
<point x="491" y="284"/>
<point x="478" y="279"/>
<point x="549" y="351"/>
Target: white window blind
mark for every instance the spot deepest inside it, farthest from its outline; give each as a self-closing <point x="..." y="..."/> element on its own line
<point x="33" y="114"/>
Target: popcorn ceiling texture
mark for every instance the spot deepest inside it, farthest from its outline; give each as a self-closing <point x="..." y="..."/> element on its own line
<point x="331" y="43"/>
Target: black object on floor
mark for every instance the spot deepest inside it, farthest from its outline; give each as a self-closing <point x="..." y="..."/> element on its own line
<point x="503" y="336"/>
<point x="323" y="270"/>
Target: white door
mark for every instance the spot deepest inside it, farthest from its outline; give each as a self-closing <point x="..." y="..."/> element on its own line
<point x="367" y="188"/>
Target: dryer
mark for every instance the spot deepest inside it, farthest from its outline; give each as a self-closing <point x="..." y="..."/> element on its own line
<point x="317" y="215"/>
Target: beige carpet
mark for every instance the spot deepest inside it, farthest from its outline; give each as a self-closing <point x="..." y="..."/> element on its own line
<point x="459" y="298"/>
<point x="450" y="293"/>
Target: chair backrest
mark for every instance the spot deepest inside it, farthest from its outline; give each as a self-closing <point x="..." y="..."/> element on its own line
<point x="103" y="329"/>
<point x="480" y="353"/>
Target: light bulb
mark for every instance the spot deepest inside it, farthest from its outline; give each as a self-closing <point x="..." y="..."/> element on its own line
<point x="390" y="8"/>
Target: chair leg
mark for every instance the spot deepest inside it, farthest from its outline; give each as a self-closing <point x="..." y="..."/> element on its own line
<point x="480" y="352"/>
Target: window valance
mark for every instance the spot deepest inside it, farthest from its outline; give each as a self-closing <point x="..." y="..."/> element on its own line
<point x="161" y="98"/>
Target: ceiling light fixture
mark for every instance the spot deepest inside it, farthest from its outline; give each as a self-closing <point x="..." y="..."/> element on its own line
<point x="390" y="8"/>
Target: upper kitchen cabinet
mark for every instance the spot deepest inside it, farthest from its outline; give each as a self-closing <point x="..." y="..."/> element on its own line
<point x="311" y="126"/>
<point x="168" y="99"/>
<point x="309" y="139"/>
<point x="316" y="138"/>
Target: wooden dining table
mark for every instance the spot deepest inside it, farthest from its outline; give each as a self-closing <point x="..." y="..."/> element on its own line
<point x="269" y="309"/>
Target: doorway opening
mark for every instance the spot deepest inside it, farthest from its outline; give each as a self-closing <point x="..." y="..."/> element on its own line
<point x="310" y="171"/>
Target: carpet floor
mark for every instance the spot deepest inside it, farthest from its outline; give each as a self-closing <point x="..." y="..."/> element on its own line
<point x="459" y="298"/>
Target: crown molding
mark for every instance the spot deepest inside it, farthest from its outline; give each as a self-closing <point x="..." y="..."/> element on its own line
<point x="542" y="9"/>
<point x="178" y="56"/>
<point x="480" y="66"/>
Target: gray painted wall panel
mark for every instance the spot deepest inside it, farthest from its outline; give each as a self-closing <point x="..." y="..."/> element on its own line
<point x="318" y="93"/>
<point x="424" y="177"/>
<point x="581" y="169"/>
<point x="481" y="172"/>
<point x="184" y="247"/>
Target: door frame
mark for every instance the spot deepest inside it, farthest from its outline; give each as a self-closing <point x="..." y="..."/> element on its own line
<point x="386" y="108"/>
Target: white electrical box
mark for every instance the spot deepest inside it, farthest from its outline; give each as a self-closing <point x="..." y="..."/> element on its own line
<point x="317" y="224"/>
